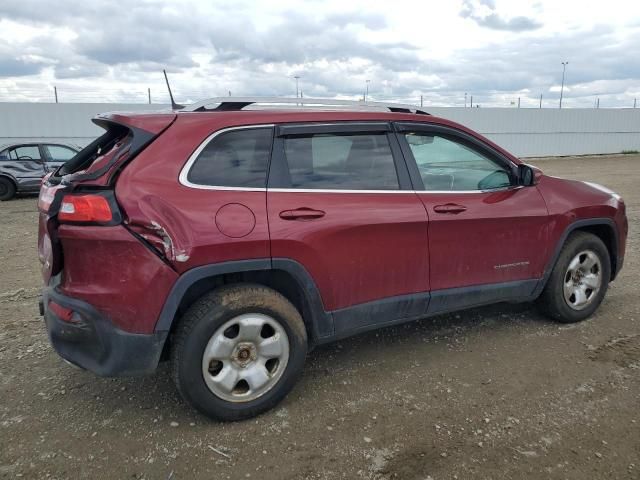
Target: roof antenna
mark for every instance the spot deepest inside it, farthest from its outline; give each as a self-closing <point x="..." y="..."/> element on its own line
<point x="174" y="105"/>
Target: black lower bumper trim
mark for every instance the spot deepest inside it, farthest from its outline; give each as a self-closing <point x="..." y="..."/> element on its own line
<point x="92" y="342"/>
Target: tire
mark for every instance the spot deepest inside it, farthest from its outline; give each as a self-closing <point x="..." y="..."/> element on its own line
<point x="7" y="189"/>
<point x="219" y="342"/>
<point x="561" y="298"/>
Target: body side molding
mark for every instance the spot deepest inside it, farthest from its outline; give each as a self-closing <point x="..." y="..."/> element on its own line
<point x="405" y="308"/>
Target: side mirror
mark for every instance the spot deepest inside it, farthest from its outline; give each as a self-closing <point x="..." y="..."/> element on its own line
<point x="526" y="175"/>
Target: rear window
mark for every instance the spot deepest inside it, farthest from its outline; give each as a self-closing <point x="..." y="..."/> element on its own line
<point x="98" y="148"/>
<point x="237" y="158"/>
<point x="341" y="162"/>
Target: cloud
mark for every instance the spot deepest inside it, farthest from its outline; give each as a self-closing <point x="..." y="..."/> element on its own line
<point x="17" y="67"/>
<point x="483" y="12"/>
<point x="253" y="48"/>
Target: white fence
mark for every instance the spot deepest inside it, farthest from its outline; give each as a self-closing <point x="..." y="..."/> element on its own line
<point x="532" y="132"/>
<point x="526" y="132"/>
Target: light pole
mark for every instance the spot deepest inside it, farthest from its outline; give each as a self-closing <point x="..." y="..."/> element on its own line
<point x="366" y="92"/>
<point x="297" y="77"/>
<point x="564" y="67"/>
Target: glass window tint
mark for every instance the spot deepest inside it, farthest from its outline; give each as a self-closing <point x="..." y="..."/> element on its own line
<point x="237" y="158"/>
<point x="447" y="165"/>
<point x="27" y="152"/>
<point x="58" y="153"/>
<point x="341" y="162"/>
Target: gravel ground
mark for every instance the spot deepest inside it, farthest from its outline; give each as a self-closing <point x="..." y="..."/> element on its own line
<point x="497" y="392"/>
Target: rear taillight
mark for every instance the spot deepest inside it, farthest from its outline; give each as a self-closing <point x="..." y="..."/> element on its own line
<point x="85" y="208"/>
<point x="47" y="194"/>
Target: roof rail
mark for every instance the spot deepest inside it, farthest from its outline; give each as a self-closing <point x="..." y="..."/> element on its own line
<point x="226" y="104"/>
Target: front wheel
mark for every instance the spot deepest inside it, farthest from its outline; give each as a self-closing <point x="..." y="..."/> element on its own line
<point x="7" y="189"/>
<point x="579" y="279"/>
<point x="238" y="351"/>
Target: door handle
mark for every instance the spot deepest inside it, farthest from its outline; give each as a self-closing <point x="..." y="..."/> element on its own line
<point x="301" y="214"/>
<point x="449" y="208"/>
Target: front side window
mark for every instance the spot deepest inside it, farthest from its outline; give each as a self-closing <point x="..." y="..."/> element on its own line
<point x="448" y="165"/>
<point x="58" y="153"/>
<point x="237" y="158"/>
<point x="27" y="152"/>
<point x="341" y="162"/>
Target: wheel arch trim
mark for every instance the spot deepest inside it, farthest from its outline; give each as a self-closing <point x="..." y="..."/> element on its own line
<point x="10" y="177"/>
<point x="320" y="321"/>
<point x="572" y="227"/>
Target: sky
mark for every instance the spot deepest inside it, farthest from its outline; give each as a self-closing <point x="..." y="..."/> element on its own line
<point x="497" y="51"/>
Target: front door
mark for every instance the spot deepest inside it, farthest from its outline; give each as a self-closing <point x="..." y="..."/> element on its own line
<point x="340" y="204"/>
<point x="26" y="165"/>
<point x="486" y="233"/>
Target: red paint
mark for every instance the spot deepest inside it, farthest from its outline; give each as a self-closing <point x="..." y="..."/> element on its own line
<point x="571" y="200"/>
<point x="365" y="247"/>
<point x="358" y="247"/>
<point x="148" y="121"/>
<point x="110" y="269"/>
<point x="473" y="246"/>
<point x="235" y="220"/>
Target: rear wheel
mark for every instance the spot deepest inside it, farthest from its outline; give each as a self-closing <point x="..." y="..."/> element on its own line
<point x="238" y="351"/>
<point x="7" y="189"/>
<point x="579" y="279"/>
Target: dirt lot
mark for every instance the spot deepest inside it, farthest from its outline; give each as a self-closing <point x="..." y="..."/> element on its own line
<point x="496" y="392"/>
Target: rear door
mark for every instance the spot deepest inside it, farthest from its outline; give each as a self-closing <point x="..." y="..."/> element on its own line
<point x="340" y="203"/>
<point x="486" y="232"/>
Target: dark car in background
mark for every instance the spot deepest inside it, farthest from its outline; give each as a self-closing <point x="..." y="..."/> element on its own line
<point x="23" y="165"/>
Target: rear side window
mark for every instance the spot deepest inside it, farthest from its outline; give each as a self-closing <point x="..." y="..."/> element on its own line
<point x="341" y="162"/>
<point x="237" y="158"/>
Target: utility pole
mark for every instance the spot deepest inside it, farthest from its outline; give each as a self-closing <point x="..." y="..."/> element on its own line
<point x="420" y="101"/>
<point x="518" y="102"/>
<point x="297" y="77"/>
<point x="634" y="102"/>
<point x="149" y="94"/>
<point x="598" y="102"/>
<point x="55" y="93"/>
<point x="471" y="101"/>
<point x="366" y="92"/>
<point x="465" y="99"/>
<point x="564" y="67"/>
<point x="540" y="100"/>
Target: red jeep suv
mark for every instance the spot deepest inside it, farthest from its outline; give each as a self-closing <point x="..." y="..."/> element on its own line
<point x="230" y="238"/>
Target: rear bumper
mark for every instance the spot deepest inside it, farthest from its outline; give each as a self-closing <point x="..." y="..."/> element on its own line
<point x="91" y="341"/>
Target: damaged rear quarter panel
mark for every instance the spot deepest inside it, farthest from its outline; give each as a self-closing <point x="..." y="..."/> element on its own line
<point x="113" y="271"/>
<point x="181" y="221"/>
